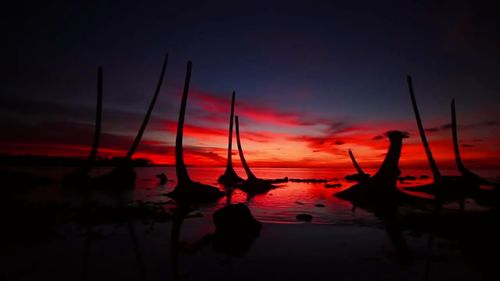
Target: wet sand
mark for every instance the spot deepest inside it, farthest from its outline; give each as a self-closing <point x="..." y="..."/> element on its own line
<point x="281" y="252"/>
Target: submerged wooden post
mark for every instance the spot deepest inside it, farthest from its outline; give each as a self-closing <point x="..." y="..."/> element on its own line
<point x="249" y="173"/>
<point x="180" y="168"/>
<point x="355" y="163"/>
<point x="138" y="137"/>
<point x="229" y="164"/>
<point x="454" y="132"/>
<point x="466" y="173"/>
<point x="435" y="171"/>
<point x="188" y="190"/>
<point x="98" y="118"/>
<point x="230" y="177"/>
<point x="389" y="170"/>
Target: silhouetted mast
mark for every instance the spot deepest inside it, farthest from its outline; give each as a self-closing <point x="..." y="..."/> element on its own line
<point x="250" y="175"/>
<point x="148" y="114"/>
<point x="435" y="171"/>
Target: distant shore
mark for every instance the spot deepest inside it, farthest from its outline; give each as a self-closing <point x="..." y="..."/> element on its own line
<point x="44" y="160"/>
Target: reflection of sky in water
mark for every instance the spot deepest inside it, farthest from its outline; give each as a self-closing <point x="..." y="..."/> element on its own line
<point x="280" y="205"/>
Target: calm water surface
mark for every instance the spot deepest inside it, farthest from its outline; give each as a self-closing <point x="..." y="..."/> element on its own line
<point x="280" y="205"/>
<point x="341" y="242"/>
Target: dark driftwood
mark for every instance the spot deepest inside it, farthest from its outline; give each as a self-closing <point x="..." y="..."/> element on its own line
<point x="123" y="176"/>
<point x="379" y="193"/>
<point x="355" y="163"/>
<point x="360" y="175"/>
<point x="98" y="118"/>
<point x="80" y="177"/>
<point x="252" y="185"/>
<point x="466" y="173"/>
<point x="435" y="171"/>
<point x="230" y="177"/>
<point x="138" y="137"/>
<point x="451" y="188"/>
<point x="188" y="190"/>
<point x="249" y="173"/>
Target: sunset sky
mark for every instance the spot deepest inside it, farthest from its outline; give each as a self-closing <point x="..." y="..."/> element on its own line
<point x="312" y="79"/>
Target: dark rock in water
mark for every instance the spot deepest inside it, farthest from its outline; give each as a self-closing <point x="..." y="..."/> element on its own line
<point x="122" y="177"/>
<point x="319" y="205"/>
<point x="298" y="202"/>
<point x="280" y="180"/>
<point x="22" y="179"/>
<point x="309" y="180"/>
<point x="256" y="186"/>
<point x="229" y="178"/>
<point x="406" y="178"/>
<point x="77" y="179"/>
<point x="334" y="185"/>
<point x="195" y="192"/>
<point x="424" y="176"/>
<point x="235" y="229"/>
<point x="163" y="178"/>
<point x="304" y="217"/>
<point x="235" y="218"/>
<point x="357" y="177"/>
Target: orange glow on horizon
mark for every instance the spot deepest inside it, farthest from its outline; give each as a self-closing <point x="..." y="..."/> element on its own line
<point x="271" y="138"/>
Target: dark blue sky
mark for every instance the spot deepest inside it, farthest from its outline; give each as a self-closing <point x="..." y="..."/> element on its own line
<point x="339" y="60"/>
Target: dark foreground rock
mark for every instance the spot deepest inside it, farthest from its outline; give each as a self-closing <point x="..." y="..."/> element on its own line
<point x="163" y="178"/>
<point x="304" y="217"/>
<point x="235" y="229"/>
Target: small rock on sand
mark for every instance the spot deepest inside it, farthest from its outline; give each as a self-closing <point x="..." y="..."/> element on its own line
<point x="304" y="217"/>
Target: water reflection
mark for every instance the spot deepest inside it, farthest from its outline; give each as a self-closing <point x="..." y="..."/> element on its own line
<point x="332" y="228"/>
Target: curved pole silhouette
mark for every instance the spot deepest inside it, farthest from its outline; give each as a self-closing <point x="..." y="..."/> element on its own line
<point x="188" y="190"/>
<point x="229" y="165"/>
<point x="458" y="159"/>
<point x="360" y="175"/>
<point x="389" y="170"/>
<point x="435" y="171"/>
<point x="123" y="176"/>
<point x="355" y="163"/>
<point x="80" y="177"/>
<point x="138" y="137"/>
<point x="180" y="167"/>
<point x="252" y="185"/>
<point x="98" y="118"/>
<point x="466" y="173"/>
<point x="230" y="177"/>
<point x="249" y="173"/>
